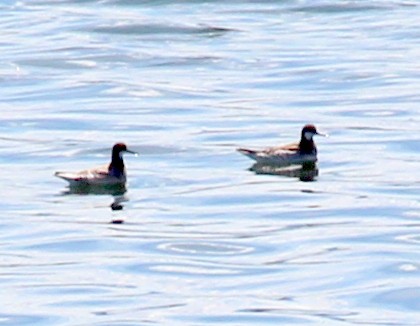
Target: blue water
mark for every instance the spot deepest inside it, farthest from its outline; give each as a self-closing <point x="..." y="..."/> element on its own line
<point x="204" y="240"/>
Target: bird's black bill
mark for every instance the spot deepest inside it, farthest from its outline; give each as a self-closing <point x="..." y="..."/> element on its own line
<point x="131" y="152"/>
<point x="321" y="134"/>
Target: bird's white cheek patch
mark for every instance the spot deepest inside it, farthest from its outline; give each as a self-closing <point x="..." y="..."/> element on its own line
<point x="308" y="135"/>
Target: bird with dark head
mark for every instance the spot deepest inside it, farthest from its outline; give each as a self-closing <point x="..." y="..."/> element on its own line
<point x="116" y="168"/>
<point x="307" y="144"/>
<point x="296" y="153"/>
<point x="112" y="174"/>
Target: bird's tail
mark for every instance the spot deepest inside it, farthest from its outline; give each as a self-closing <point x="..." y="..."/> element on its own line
<point x="248" y="152"/>
<point x="68" y="176"/>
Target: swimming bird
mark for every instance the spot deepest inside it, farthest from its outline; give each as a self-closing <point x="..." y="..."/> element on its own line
<point x="297" y="153"/>
<point x="113" y="174"/>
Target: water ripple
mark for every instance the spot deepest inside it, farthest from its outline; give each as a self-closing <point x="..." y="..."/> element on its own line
<point x="202" y="239"/>
<point x="204" y="248"/>
<point x="139" y="29"/>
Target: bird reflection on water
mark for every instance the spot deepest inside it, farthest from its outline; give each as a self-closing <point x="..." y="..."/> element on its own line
<point x="117" y="192"/>
<point x="86" y="189"/>
<point x="306" y="172"/>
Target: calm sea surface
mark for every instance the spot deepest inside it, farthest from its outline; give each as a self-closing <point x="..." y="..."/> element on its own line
<point x="206" y="241"/>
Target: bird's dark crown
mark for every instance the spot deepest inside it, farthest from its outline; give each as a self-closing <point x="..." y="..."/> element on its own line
<point x="309" y="128"/>
<point x="119" y="147"/>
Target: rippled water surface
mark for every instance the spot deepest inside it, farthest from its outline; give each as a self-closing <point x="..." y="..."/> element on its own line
<point x="204" y="240"/>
